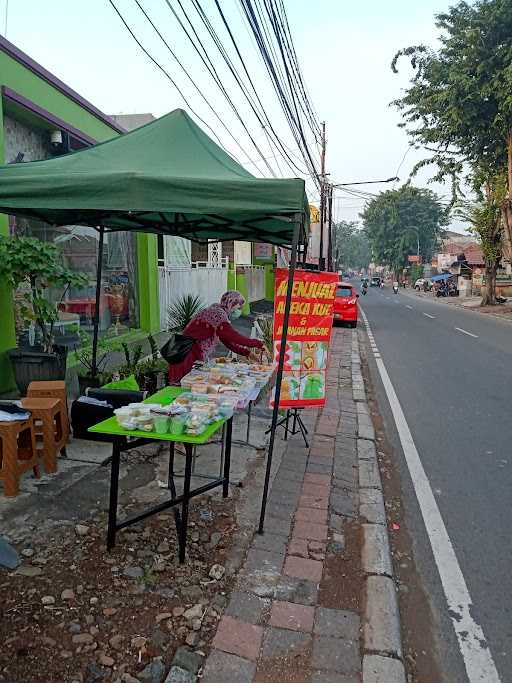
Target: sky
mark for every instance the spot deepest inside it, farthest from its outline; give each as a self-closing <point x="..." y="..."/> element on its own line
<point x="344" y="48"/>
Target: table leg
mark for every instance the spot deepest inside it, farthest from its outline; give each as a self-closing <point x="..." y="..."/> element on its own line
<point x="249" y="410"/>
<point x="170" y="475"/>
<point x="172" y="486"/>
<point x="182" y="532"/>
<point x="286" y="424"/>
<point x="114" y="487"/>
<point x="222" y="450"/>
<point x="227" y="457"/>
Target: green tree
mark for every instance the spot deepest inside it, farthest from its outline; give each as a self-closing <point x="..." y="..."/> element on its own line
<point x="459" y="108"/>
<point x="403" y="222"/>
<point x="485" y="219"/>
<point x="351" y="246"/>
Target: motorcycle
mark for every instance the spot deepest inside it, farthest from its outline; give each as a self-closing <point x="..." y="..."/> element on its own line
<point x="395" y="289"/>
<point x="364" y="290"/>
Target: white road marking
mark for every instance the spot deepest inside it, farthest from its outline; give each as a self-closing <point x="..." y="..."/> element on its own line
<point x="432" y="317"/>
<point x="409" y="307"/>
<point x="470" y="334"/>
<point x="475" y="651"/>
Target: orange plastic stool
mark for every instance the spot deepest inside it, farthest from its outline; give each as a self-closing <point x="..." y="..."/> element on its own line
<point x="18" y="453"/>
<point x="48" y="417"/>
<point x="52" y="389"/>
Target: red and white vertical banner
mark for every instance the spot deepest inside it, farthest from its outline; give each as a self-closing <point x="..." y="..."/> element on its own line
<point x="309" y="335"/>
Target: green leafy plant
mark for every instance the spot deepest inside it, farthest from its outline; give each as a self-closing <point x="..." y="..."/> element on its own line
<point x="35" y="266"/>
<point x="401" y="222"/>
<point x="181" y="312"/>
<point x="458" y="109"/>
<point x="132" y="359"/>
<point x="84" y="355"/>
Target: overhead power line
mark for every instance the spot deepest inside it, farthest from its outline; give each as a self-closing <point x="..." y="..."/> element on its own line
<point x="166" y="74"/>
<point x="273" y="55"/>
<point x="213" y="72"/>
<point x="185" y="71"/>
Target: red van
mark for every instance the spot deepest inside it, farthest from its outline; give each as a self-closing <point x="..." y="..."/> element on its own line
<point x="345" y="306"/>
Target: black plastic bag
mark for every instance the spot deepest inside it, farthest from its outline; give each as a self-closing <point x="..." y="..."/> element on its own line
<point x="177" y="348"/>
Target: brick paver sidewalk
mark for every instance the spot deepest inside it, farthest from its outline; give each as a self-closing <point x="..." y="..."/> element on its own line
<point x="295" y="613"/>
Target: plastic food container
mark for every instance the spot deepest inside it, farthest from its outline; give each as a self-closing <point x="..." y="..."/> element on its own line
<point x="226" y="408"/>
<point x="144" y="423"/>
<point x="160" y="423"/>
<point x="122" y="415"/>
<point x="177" y="425"/>
<point x="196" y="423"/>
<point x="137" y="409"/>
<point x="128" y="424"/>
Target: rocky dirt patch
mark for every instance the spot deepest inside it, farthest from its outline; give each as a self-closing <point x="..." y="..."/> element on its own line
<point x="74" y="613"/>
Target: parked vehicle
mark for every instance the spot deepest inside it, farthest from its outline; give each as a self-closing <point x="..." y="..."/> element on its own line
<point x="375" y="281"/>
<point x="345" y="305"/>
<point x="423" y="284"/>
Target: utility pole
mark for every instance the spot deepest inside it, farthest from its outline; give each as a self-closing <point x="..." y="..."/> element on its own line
<point x="321" y="260"/>
<point x="330" y="267"/>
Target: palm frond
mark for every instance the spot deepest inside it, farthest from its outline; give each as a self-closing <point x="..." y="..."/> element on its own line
<point x="181" y="312"/>
<point x="266" y="325"/>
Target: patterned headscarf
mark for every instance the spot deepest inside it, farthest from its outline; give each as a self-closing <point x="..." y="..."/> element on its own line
<point x="231" y="300"/>
<point x="216" y="315"/>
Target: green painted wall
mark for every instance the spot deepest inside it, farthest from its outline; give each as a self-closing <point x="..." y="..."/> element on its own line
<point x="269" y="276"/>
<point x="8" y="336"/>
<point x="149" y="300"/>
<point x="269" y="281"/>
<point x="231" y="278"/>
<point x="243" y="287"/>
<point x="17" y="77"/>
<point x="20" y="79"/>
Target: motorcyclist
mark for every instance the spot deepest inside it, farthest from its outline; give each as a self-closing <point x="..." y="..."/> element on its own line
<point x="395" y="287"/>
<point x="364" y="286"/>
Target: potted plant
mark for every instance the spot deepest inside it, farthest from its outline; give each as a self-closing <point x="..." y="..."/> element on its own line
<point x="149" y="368"/>
<point x="86" y="378"/>
<point x="31" y="267"/>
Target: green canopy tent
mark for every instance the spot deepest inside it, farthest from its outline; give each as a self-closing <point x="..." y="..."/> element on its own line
<point x="167" y="177"/>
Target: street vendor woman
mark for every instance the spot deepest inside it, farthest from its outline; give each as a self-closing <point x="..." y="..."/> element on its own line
<point x="209" y="327"/>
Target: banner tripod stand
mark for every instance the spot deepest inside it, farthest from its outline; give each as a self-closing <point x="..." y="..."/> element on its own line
<point x="298" y="426"/>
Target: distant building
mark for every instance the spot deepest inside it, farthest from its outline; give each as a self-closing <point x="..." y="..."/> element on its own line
<point x="132" y="121"/>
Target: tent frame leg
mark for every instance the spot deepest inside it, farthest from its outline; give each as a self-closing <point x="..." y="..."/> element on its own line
<point x="96" y="320"/>
<point x="279" y="378"/>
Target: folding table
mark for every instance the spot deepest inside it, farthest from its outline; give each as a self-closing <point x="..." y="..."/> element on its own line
<point x="124" y="440"/>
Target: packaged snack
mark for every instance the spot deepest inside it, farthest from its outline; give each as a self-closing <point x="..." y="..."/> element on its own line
<point x="122" y="415"/>
<point x="196" y="424"/>
<point x="182" y="400"/>
<point x="226" y="408"/>
<point x="199" y="388"/>
<point x="144" y="423"/>
<point x="128" y="424"/>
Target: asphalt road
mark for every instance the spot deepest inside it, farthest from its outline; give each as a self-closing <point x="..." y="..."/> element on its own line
<point x="455" y="388"/>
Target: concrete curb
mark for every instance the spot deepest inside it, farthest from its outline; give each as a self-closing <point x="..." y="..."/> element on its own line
<point x="382" y="641"/>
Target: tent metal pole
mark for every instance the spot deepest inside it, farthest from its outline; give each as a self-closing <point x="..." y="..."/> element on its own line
<point x="96" y="321"/>
<point x="280" y="365"/>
